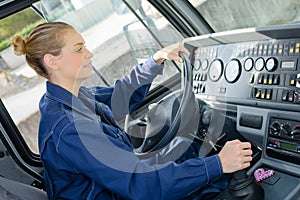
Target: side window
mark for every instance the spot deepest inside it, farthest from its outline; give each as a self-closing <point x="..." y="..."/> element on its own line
<point x="20" y="87"/>
<point x="118" y="37"/>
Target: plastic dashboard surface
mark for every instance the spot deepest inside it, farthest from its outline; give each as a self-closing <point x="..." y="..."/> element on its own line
<point x="251" y="66"/>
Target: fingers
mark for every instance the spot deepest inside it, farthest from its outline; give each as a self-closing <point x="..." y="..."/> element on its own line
<point x="247" y="152"/>
<point x="184" y="50"/>
<point x="171" y="53"/>
<point x="245" y="155"/>
<point x="235" y="155"/>
<point x="246" y="145"/>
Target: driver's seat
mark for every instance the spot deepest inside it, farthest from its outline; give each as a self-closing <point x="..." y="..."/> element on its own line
<point x="14" y="190"/>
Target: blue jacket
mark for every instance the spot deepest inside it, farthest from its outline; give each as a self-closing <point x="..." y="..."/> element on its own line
<point x="86" y="158"/>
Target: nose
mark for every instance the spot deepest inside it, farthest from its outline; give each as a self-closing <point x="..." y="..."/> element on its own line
<point x="89" y="54"/>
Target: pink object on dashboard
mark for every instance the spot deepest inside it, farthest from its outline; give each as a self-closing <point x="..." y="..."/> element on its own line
<point x="260" y="174"/>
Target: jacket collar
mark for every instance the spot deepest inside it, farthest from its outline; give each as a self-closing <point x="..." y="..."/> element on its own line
<point x="63" y="96"/>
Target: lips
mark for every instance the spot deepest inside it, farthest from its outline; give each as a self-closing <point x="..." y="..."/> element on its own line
<point x="88" y="65"/>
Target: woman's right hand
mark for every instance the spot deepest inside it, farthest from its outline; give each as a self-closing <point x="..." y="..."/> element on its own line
<point x="235" y="155"/>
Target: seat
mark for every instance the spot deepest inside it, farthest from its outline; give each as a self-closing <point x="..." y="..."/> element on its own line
<point x="14" y="190"/>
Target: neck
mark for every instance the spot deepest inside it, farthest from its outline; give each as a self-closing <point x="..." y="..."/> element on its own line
<point x="71" y="86"/>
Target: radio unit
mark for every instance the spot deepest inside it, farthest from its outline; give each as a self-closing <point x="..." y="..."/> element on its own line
<point x="283" y="140"/>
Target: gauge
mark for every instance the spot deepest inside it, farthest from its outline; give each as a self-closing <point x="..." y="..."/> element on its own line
<point x="233" y="71"/>
<point x="215" y="70"/>
<point x="197" y="64"/>
<point x="259" y="64"/>
<point x="204" y="65"/>
<point x="271" y="64"/>
<point x="248" y="64"/>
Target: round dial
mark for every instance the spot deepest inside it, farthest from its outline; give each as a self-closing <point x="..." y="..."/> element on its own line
<point x="296" y="132"/>
<point x="285" y="129"/>
<point x="233" y="71"/>
<point x="197" y="64"/>
<point x="215" y="70"/>
<point x="259" y="64"/>
<point x="274" y="128"/>
<point x="248" y="64"/>
<point x="271" y="64"/>
<point x="204" y="65"/>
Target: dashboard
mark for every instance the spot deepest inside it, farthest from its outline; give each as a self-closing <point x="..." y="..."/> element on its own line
<point x="256" y="73"/>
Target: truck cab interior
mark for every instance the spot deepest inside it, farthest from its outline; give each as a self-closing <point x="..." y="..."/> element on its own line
<point x="240" y="81"/>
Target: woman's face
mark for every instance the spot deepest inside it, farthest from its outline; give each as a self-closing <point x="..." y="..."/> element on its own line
<point x="75" y="60"/>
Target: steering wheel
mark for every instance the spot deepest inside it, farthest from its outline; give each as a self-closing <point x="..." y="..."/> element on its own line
<point x="175" y="114"/>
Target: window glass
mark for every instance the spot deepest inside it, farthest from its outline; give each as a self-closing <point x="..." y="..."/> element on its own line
<point x="112" y="32"/>
<point x="20" y="87"/>
<point x="223" y="15"/>
<point x="115" y="35"/>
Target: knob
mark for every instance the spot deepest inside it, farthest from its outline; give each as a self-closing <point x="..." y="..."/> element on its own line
<point x="285" y="129"/>
<point x="296" y="132"/>
<point x="274" y="128"/>
<point x="206" y="117"/>
<point x="202" y="132"/>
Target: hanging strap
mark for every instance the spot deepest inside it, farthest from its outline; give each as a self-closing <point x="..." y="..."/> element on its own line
<point x="103" y="117"/>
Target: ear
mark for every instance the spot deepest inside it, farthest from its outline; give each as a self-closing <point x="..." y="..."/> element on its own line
<point x="51" y="61"/>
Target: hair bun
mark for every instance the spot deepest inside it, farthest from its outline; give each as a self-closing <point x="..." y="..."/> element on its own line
<point x="19" y="45"/>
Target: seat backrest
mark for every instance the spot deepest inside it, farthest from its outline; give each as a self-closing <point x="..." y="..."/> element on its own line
<point x="14" y="190"/>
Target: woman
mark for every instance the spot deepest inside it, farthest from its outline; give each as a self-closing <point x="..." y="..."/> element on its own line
<point x="84" y="152"/>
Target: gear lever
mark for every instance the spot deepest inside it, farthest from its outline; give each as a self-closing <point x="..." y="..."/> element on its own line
<point x="242" y="187"/>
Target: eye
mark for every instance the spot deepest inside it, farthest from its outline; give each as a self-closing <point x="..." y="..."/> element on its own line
<point x="79" y="50"/>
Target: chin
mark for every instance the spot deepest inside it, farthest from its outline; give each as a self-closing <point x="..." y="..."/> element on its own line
<point x="83" y="75"/>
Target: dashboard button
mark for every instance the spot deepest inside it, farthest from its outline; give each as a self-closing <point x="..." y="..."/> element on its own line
<point x="270" y="80"/>
<point x="276" y="79"/>
<point x="251" y="79"/>
<point x="285" y="94"/>
<point x="269" y="94"/>
<point x="266" y="78"/>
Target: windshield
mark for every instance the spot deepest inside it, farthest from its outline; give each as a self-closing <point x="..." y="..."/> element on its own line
<point x="224" y="15"/>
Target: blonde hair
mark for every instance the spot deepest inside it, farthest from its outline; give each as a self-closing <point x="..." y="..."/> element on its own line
<point x="46" y="38"/>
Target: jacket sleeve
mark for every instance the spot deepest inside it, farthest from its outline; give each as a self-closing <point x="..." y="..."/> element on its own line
<point x="112" y="164"/>
<point x="128" y="93"/>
